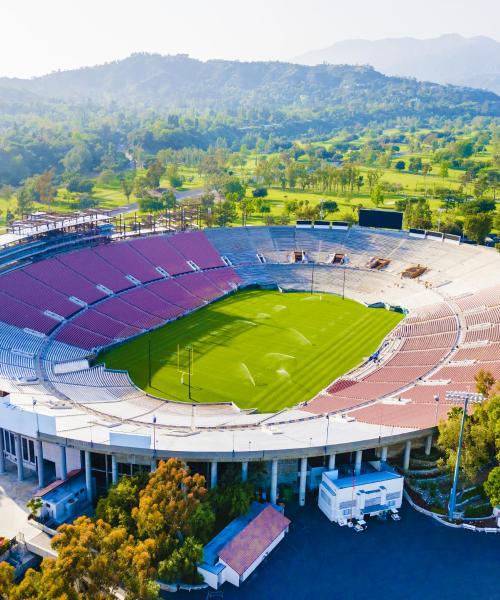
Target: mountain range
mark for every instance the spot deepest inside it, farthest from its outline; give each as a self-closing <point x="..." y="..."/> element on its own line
<point x="179" y="82"/>
<point x="448" y="59"/>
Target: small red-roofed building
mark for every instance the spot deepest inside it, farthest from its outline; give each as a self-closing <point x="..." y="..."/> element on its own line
<point x="241" y="546"/>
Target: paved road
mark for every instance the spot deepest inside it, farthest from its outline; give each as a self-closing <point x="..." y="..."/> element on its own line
<point x="134" y="207"/>
<point x="414" y="559"/>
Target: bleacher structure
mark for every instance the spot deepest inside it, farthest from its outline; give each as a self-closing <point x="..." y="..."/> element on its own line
<point x="57" y="312"/>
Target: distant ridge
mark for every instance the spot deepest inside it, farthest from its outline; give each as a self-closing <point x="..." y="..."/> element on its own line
<point x="321" y="94"/>
<point x="448" y="59"/>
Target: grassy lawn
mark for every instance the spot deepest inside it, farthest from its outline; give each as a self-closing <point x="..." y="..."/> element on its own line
<point x="260" y="349"/>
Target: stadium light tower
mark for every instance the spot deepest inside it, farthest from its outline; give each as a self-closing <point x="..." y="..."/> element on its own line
<point x="465" y="397"/>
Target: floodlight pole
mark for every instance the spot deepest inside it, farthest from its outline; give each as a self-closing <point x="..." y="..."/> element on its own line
<point x="466" y="397"/>
<point x="189" y="371"/>
<point x="149" y="359"/>
<point x="343" y="284"/>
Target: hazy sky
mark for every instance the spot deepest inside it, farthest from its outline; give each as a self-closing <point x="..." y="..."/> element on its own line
<point x="38" y="36"/>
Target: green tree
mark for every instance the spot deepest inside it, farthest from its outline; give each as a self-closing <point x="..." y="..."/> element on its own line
<point x="477" y="227"/>
<point x="377" y="195"/>
<point x="225" y="213"/>
<point x="6" y="580"/>
<point x="492" y="486"/>
<point x="127" y="186"/>
<point x="181" y="564"/>
<point x="444" y="169"/>
<point x="116" y="507"/>
<point x="34" y="505"/>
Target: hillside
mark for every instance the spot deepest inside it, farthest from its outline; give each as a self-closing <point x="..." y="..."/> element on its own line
<point x="447" y="59"/>
<point x="180" y="82"/>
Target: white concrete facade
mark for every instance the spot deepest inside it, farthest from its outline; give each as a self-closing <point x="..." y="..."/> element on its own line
<point x="355" y="496"/>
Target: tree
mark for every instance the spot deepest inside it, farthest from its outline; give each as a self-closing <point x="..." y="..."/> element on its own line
<point x="484" y="382"/>
<point x="415" y="165"/>
<point x="116" y="507"/>
<point x="377" y="195"/>
<point x="127" y="186"/>
<point x="173" y="176"/>
<point x="79" y="184"/>
<point x="78" y="159"/>
<point x="373" y="177"/>
<point x="6" y="580"/>
<point x="492" y="486"/>
<point x="44" y="186"/>
<point x="232" y="185"/>
<point x="225" y="213"/>
<point x="231" y="499"/>
<point x="260" y="192"/>
<point x="477" y="227"/>
<point x="330" y="206"/>
<point x="167" y="504"/>
<point x="24" y="201"/>
<point x="181" y="564"/>
<point x="400" y="165"/>
<point x="34" y="505"/>
<point x="443" y="169"/>
<point x="153" y="174"/>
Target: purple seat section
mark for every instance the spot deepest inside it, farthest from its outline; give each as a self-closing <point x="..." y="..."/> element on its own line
<point x="198" y="285"/>
<point x="195" y="246"/>
<point x="170" y="290"/>
<point x="162" y="254"/>
<point x="226" y="279"/>
<point x="126" y="259"/>
<point x="57" y="275"/>
<point x="151" y="303"/>
<point x="22" y="315"/>
<point x="93" y="267"/>
<point x="21" y="286"/>
<point x="96" y="321"/>
<point x="81" y="337"/>
<point x="122" y="311"/>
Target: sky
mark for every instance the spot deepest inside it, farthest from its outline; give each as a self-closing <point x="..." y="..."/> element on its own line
<point x="40" y="36"/>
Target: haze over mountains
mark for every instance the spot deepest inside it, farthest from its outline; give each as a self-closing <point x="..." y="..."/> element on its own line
<point x="451" y="58"/>
<point x="180" y="82"/>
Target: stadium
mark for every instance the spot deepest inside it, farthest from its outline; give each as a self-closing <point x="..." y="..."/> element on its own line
<point x="281" y="348"/>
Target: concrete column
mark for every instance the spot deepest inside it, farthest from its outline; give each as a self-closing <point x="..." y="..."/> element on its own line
<point x="383" y="454"/>
<point x="428" y="445"/>
<point x="244" y="471"/>
<point x="19" y="458"/>
<point x="302" y="481"/>
<point x="406" y="456"/>
<point x="274" y="481"/>
<point x="153" y="465"/>
<point x="64" y="465"/>
<point x="88" y="476"/>
<point x="39" y="463"/>
<point x="331" y="461"/>
<point x="357" y="463"/>
<point x="213" y="474"/>
<point x="114" y="469"/>
<point x="2" y="455"/>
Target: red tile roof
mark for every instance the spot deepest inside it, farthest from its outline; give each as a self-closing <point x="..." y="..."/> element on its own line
<point x="244" y="549"/>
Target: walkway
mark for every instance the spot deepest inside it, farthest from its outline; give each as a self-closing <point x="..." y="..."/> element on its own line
<point x="13" y="497"/>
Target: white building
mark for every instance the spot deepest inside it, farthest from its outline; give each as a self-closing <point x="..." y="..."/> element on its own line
<point x="240" y="547"/>
<point x="356" y="496"/>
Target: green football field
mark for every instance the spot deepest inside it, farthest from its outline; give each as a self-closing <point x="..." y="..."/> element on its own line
<point x="260" y="349"/>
